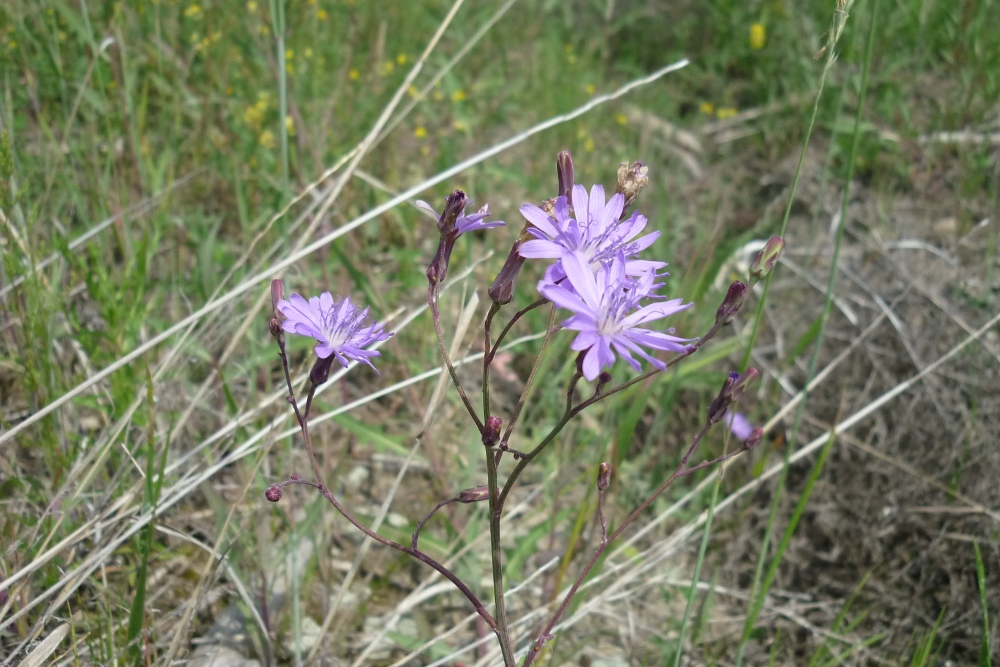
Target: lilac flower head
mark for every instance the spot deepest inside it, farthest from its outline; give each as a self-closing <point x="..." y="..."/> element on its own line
<point x="607" y="313"/>
<point x="596" y="233"/>
<point x="338" y="327"/>
<point x="739" y="425"/>
<point x="452" y="223"/>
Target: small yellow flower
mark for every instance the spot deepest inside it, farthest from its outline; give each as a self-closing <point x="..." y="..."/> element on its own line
<point x="588" y="145"/>
<point x="49" y="11"/>
<point x="725" y="112"/>
<point x="289" y="54"/>
<point x="192" y="10"/>
<point x="412" y="91"/>
<point x="267" y="140"/>
<point x="264" y="30"/>
<point x="420" y="132"/>
<point x="195" y="37"/>
<point x="590" y="88"/>
<point x="322" y="15"/>
<point x="251" y="6"/>
<point x="308" y="53"/>
<point x="401" y="59"/>
<point x="290" y="126"/>
<point x="290" y="68"/>
<point x="460" y="126"/>
<point x="621" y="119"/>
<point x="458" y="96"/>
<point x="386" y="68"/>
<point x="758" y="36"/>
<point x="12" y="45"/>
<point x="707" y="108"/>
<point x="354" y="75"/>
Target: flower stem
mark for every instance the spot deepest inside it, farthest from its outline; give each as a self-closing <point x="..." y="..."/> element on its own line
<point x="496" y="555"/>
<point x="605" y="543"/>
<point x="436" y="312"/>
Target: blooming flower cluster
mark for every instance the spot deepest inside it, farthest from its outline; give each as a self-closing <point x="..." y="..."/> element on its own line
<point x="597" y="278"/>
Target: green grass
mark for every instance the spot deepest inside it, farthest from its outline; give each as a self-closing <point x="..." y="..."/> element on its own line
<point x="196" y="112"/>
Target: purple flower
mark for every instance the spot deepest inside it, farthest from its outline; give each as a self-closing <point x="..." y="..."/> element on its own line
<point x="603" y="305"/>
<point x="338" y="327"/>
<point x="739" y="425"/>
<point x="452" y="223"/>
<point x="596" y="234"/>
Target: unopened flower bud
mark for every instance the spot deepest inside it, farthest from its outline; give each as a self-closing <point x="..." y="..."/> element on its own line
<point x="732" y="303"/>
<point x="502" y="289"/>
<point x="320" y="372"/>
<point x="754" y="438"/>
<point x="277" y="294"/>
<point x="453" y="207"/>
<point x="274" y="326"/>
<point x="273" y="493"/>
<point x="474" y="495"/>
<point x="722" y="401"/>
<point x="632" y="178"/>
<point x="743" y="383"/>
<point x="564" y="170"/>
<point x="603" y="476"/>
<point x="763" y="263"/>
<point x="491" y="431"/>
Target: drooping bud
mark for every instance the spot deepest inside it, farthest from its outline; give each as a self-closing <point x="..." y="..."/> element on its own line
<point x="453" y="207"/>
<point x="502" y="289"/>
<point x="491" y="431"/>
<point x="731" y="304"/>
<point x="474" y="495"/>
<point x="273" y="493"/>
<point x="764" y="261"/>
<point x="603" y="476"/>
<point x="632" y="178"/>
<point x="754" y="438"/>
<point x="564" y="170"/>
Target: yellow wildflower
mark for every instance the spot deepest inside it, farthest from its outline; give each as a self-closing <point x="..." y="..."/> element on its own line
<point x="290" y="126"/>
<point x="386" y="68"/>
<point x="420" y="132"/>
<point x="308" y="53"/>
<point x="354" y="75"/>
<point x="401" y="59"/>
<point x="458" y="96"/>
<point x="590" y="88"/>
<point x="758" y="36"/>
<point x="621" y="119"/>
<point x="192" y="10"/>
<point x="460" y="126"/>
<point x="267" y="140"/>
<point x="725" y="112"/>
<point x="289" y="54"/>
<point x="322" y="15"/>
<point x="412" y="91"/>
<point x="707" y="108"/>
<point x="589" y="145"/>
<point x="251" y="6"/>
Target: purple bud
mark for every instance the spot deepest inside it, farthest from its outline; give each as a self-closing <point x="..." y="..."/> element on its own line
<point x="564" y="170"/>
<point x="273" y="493"/>
<point x="731" y="304"/>
<point x="721" y="403"/>
<point x="453" y="206"/>
<point x="603" y="476"/>
<point x="293" y="477"/>
<point x="491" y="431"/>
<point x="743" y="383"/>
<point x="320" y="372"/>
<point x="763" y="263"/>
<point x="474" y="495"/>
<point x="754" y="438"/>
<point x="632" y="178"/>
<point x="502" y="289"/>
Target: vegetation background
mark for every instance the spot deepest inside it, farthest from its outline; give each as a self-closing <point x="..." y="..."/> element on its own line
<point x="156" y="155"/>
